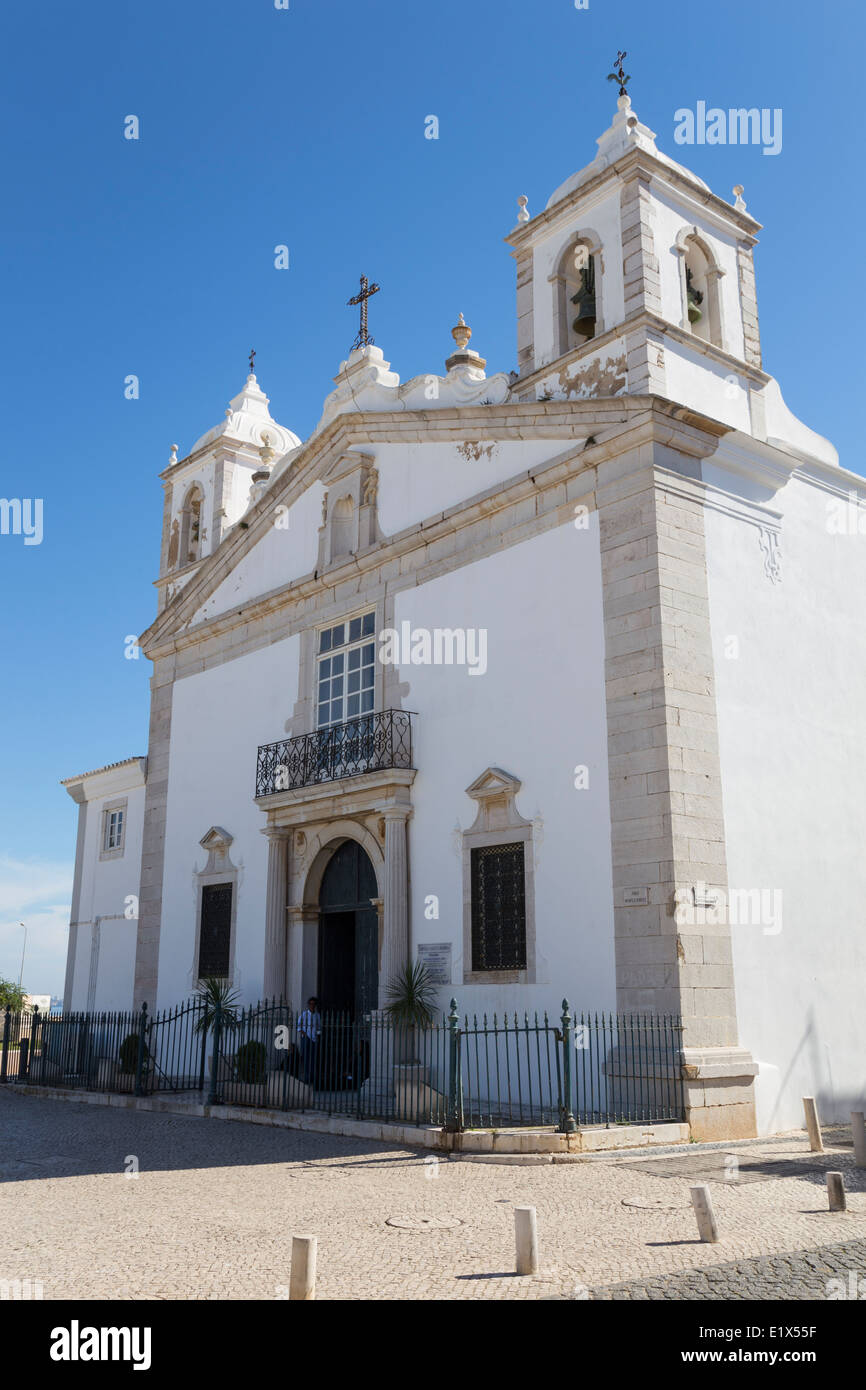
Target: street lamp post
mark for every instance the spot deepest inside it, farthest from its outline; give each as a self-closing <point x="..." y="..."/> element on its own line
<point x="24" y="948"/>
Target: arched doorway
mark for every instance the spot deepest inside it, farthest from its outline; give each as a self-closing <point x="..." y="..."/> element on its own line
<point x="348" y="967"/>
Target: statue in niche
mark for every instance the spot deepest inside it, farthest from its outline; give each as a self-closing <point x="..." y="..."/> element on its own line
<point x="371" y="487"/>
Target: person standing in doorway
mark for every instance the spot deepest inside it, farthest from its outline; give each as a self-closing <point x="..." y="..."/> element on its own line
<point x="309" y="1028"/>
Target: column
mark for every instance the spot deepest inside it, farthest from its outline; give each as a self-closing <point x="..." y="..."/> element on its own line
<point x="275" y="919"/>
<point x="302" y="953"/>
<point x="395" y="947"/>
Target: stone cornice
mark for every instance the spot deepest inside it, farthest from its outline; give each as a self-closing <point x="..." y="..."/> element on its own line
<point x="652" y="323"/>
<point x="638" y="163"/>
<point x="634" y="421"/>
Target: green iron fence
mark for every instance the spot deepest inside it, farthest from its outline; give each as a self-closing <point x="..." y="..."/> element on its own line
<point x="494" y="1071"/>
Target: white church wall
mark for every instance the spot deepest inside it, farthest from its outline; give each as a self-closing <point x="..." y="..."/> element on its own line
<point x="696" y="380"/>
<point x="219" y="717"/>
<point x="417" y="481"/>
<point x="284" y="553"/>
<point x="793" y="773"/>
<point x="537" y="712"/>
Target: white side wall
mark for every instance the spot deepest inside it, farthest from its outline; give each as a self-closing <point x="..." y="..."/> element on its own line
<point x="793" y="772"/>
<point x="219" y="717"/>
<point x="537" y="712"/>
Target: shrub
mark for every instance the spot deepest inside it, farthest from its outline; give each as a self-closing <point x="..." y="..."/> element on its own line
<point x="129" y="1054"/>
<point x="251" y="1062"/>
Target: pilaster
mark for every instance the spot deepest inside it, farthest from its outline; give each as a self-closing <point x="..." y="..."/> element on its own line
<point x="275" y="918"/>
<point x="667" y="823"/>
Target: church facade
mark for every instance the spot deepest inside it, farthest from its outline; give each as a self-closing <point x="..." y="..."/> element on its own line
<point x="544" y="678"/>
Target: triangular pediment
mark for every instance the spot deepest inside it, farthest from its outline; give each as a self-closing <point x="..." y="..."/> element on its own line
<point x="493" y="782"/>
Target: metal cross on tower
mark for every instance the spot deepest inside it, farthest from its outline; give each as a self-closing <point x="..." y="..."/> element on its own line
<point x="363" y="339"/>
<point x="252" y="360"/>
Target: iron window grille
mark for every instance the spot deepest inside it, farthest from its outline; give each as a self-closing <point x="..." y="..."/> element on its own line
<point x="498" y="907"/>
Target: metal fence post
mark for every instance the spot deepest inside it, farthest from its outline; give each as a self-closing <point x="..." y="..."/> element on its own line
<point x="7" y="1033"/>
<point x="566" y="1114"/>
<point x="34" y="1038"/>
<point x="213" y="1093"/>
<point x="142" y="1048"/>
<point x="454" y="1121"/>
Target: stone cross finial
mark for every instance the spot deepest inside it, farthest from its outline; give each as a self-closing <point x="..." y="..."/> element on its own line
<point x="523" y="215"/>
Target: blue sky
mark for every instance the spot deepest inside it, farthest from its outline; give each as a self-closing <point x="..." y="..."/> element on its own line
<point x="305" y="127"/>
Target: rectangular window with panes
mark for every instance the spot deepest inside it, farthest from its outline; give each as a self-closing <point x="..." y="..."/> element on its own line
<point x="113" y="836"/>
<point x="498" y="907"/>
<point x="346" y="669"/>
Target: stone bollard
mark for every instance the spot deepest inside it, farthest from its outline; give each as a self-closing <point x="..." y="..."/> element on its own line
<point x="526" y="1239"/>
<point x="836" y="1191"/>
<point x="816" y="1143"/>
<point x="703" y="1208"/>
<point x="302" y="1285"/>
<point x="858" y="1131"/>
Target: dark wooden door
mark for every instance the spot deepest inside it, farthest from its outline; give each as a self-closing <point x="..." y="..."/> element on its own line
<point x="348" y="932"/>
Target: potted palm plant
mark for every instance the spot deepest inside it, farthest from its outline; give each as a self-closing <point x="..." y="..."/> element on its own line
<point x="217" y="996"/>
<point x="410" y="1001"/>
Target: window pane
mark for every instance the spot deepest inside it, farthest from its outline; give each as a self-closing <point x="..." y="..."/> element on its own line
<point x="338" y="635"/>
<point x="353" y="705"/>
<point x="325" y="640"/>
<point x="324" y="667"/>
<point x="354" y="629"/>
<point x="366" y="700"/>
<point x="323" y="715"/>
<point x="367" y="677"/>
<point x="336" y="711"/>
<point x="355" y="659"/>
<point x="354" y="681"/>
<point x="336" y="687"/>
<point x="337" y="664"/>
<point x="369" y="652"/>
<point x="369" y="623"/>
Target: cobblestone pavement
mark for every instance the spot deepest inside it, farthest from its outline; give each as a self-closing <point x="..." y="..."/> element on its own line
<point x="802" y="1274"/>
<point x="213" y="1208"/>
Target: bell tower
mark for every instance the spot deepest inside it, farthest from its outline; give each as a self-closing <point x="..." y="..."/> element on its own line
<point x="636" y="278"/>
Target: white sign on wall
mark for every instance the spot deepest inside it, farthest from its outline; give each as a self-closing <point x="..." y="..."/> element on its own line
<point x="436" y="955"/>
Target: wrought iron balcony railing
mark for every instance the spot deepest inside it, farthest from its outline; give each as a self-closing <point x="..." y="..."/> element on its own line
<point x="367" y="743"/>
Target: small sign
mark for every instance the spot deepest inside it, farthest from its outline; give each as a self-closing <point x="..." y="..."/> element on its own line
<point x="436" y="956"/>
<point x="704" y="896"/>
<point x="635" y="897"/>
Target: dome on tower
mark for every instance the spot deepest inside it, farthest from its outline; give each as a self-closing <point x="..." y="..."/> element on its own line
<point x="246" y="419"/>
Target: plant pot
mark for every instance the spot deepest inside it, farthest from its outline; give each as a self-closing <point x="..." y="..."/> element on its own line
<point x="286" y="1092"/>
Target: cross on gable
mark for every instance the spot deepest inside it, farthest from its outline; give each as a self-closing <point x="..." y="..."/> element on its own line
<point x="367" y="290"/>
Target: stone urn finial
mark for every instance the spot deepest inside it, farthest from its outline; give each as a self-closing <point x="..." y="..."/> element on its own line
<point x="461" y="334"/>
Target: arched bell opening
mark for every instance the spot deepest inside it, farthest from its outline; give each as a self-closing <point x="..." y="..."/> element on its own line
<point x="577" y="291"/>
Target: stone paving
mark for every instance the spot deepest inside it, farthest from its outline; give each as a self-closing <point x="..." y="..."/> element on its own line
<point x="213" y="1208"/>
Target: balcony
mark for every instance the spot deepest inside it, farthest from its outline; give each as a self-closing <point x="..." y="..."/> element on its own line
<point x="368" y="743"/>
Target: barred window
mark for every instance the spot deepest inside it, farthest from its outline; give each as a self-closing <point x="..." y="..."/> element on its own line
<point x="214" y="953"/>
<point x="498" y="908"/>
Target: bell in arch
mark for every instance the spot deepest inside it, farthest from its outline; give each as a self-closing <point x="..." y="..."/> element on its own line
<point x="584" y="300"/>
<point x="694" y="299"/>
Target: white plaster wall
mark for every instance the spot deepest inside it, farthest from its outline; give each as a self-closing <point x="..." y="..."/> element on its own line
<point x="602" y="214"/>
<point x="116" y="971"/>
<point x="417" y="481"/>
<point x="793" y="762"/>
<point x="537" y="712"/>
<point x="219" y="717"/>
<point x="695" y="380"/>
<point x="105" y="886"/>
<point x="284" y="553"/>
